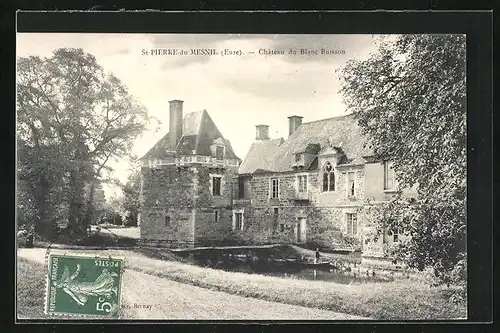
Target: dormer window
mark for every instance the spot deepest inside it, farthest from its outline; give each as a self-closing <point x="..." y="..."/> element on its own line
<point x="218" y="149"/>
<point x="298" y="160"/>
<point x="328" y="178"/>
<point x="219" y="153"/>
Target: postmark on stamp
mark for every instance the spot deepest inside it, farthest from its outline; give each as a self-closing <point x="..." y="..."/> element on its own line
<point x="84" y="285"/>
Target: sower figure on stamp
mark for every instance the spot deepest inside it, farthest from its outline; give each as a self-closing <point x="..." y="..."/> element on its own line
<point x="104" y="285"/>
<point x="316" y="259"/>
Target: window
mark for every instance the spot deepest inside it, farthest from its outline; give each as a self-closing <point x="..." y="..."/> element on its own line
<point x="276" y="214"/>
<point x="396" y="233"/>
<point x="238" y="221"/>
<point x="216" y="182"/>
<point x="350" y="184"/>
<point x="389" y="181"/>
<point x="282" y="227"/>
<point x="328" y="178"/>
<point x="241" y="188"/>
<point x="244" y="187"/>
<point x="302" y="183"/>
<point x="298" y="157"/>
<point x="352" y="224"/>
<point x="219" y="153"/>
<point x="216" y="216"/>
<point x="167" y="221"/>
<point x="274" y="188"/>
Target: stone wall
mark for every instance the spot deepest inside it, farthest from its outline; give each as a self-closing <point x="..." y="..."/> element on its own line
<point x="261" y="184"/>
<point x="325" y="212"/>
<point x="173" y="226"/>
<point x="208" y="231"/>
<point x="179" y="208"/>
<point x="340" y="197"/>
<point x="326" y="227"/>
<point x="167" y="212"/>
<point x="184" y="195"/>
<point x="204" y="197"/>
<point x="168" y="186"/>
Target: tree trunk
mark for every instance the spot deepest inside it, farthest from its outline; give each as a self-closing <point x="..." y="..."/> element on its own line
<point x="44" y="225"/>
<point x="89" y="208"/>
<point x="75" y="218"/>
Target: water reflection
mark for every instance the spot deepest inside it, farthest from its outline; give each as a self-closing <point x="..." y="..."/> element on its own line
<point x="342" y="277"/>
<point x="292" y="269"/>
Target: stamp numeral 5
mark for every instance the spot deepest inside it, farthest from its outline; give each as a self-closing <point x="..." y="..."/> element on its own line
<point x="106" y="306"/>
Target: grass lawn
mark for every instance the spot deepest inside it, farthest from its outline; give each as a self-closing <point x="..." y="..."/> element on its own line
<point x="402" y="299"/>
<point x="30" y="290"/>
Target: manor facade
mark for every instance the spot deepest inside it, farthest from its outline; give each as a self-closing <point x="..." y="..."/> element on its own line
<point x="314" y="187"/>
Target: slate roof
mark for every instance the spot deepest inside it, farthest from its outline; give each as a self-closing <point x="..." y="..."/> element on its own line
<point x="277" y="155"/>
<point x="260" y="157"/>
<point x="198" y="133"/>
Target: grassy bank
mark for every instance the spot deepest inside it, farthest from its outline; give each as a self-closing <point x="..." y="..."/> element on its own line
<point x="403" y="299"/>
<point x="399" y="300"/>
<point x="30" y="290"/>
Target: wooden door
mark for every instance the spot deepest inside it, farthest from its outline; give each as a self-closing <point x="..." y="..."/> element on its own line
<point x="301" y="230"/>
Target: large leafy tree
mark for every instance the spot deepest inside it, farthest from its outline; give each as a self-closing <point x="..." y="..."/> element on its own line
<point x="410" y="99"/>
<point x="72" y="119"/>
<point x="131" y="198"/>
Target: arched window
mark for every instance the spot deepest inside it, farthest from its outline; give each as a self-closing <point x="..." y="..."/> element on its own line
<point x="328" y="178"/>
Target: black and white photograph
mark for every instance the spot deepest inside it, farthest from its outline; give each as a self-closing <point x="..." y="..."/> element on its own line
<point x="190" y="176"/>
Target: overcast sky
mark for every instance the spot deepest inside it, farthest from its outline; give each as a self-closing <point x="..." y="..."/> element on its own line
<point x="238" y="92"/>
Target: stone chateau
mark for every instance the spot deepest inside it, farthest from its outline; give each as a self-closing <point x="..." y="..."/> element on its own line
<point x="312" y="188"/>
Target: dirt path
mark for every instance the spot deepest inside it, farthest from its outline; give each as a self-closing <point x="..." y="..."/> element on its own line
<point x="150" y="297"/>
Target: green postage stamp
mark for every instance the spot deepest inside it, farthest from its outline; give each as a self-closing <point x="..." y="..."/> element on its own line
<point x="84" y="285"/>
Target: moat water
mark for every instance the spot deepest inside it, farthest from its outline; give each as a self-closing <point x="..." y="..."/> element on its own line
<point x="284" y="262"/>
<point x="297" y="270"/>
<point x="334" y="276"/>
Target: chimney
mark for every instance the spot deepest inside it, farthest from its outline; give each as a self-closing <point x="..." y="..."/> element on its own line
<point x="294" y="122"/>
<point x="175" y="124"/>
<point x="262" y="132"/>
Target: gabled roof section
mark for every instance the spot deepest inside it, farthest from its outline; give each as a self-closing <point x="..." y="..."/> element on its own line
<point x="187" y="145"/>
<point x="260" y="156"/>
<point x="340" y="131"/>
<point x="159" y="149"/>
<point x="314" y="164"/>
<point x="207" y="134"/>
<point x="198" y="133"/>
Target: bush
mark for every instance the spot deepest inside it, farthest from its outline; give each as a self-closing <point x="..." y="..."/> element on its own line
<point x="130" y="220"/>
<point x="21" y="240"/>
<point x="351" y="242"/>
